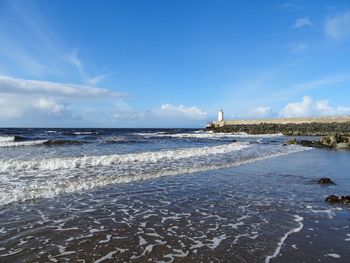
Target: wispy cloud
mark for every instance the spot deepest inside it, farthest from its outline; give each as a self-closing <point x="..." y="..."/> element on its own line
<point x="300" y="88"/>
<point x="302" y="22"/>
<point x="28" y="46"/>
<point x="262" y="111"/>
<point x="167" y="115"/>
<point x="338" y="27"/>
<point x="182" y="111"/>
<point x="299" y="47"/>
<point x="25" y="86"/>
<point x="74" y="59"/>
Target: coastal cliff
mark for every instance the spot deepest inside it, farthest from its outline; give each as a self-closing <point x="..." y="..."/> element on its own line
<point x="321" y="126"/>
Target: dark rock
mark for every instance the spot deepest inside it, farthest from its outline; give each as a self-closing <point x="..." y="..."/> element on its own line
<point x="334" y="141"/>
<point x="337" y="141"/>
<point x="325" y="180"/>
<point x="334" y="199"/>
<point x="307" y="143"/>
<point x="329" y="141"/>
<point x="289" y="129"/>
<point x="346" y="199"/>
<point x="291" y="142"/>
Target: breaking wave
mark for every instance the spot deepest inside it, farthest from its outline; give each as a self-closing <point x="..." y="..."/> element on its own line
<point x="24" y="143"/>
<point x="7" y="138"/>
<point x="26" y="180"/>
<point x="88" y="161"/>
<point x="15" y="143"/>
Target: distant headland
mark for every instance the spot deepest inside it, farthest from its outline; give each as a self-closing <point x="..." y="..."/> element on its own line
<point x="312" y="126"/>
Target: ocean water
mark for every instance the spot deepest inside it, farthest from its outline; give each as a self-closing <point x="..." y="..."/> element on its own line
<point x="163" y="195"/>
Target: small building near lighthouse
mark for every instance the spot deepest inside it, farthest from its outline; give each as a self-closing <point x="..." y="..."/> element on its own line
<point x="221" y="115"/>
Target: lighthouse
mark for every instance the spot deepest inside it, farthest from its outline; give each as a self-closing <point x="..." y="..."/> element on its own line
<point x="221" y="115"/>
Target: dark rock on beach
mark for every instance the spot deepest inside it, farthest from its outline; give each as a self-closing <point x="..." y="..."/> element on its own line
<point x="334" y="141"/>
<point x="338" y="141"/>
<point x="334" y="199"/>
<point x="325" y="180"/>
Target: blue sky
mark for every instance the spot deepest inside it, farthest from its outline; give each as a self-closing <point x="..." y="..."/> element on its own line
<point x="171" y="63"/>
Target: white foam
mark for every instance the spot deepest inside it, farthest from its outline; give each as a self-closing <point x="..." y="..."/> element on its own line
<point x="80" y="162"/>
<point x="300" y="226"/>
<point x="7" y="138"/>
<point x="333" y="255"/>
<point x="17" y="144"/>
<point x="83" y="133"/>
<point x="12" y="252"/>
<point x="235" y="226"/>
<point x="108" y="238"/>
<point x="216" y="241"/>
<point x="63" y="252"/>
<point x="109" y="255"/>
<point x="127" y="168"/>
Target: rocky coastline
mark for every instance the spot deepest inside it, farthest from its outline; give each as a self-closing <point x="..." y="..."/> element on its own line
<point x="288" y="129"/>
<point x="334" y="141"/>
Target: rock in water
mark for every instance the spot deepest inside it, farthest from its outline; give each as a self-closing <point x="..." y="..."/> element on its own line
<point x="325" y="180"/>
<point x="329" y="141"/>
<point x="334" y="199"/>
<point x="307" y="143"/>
<point x="337" y="141"/>
<point x="346" y="199"/>
<point x="291" y="142"/>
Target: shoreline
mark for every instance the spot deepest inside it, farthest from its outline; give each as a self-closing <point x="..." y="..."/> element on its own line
<point x="261" y="210"/>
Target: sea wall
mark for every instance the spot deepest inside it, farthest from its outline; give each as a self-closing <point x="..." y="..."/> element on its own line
<point x="287" y="126"/>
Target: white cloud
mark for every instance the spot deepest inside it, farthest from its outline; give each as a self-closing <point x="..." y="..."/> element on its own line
<point x="31" y="107"/>
<point x="302" y="22"/>
<point x="338" y="27"/>
<point x="182" y="111"/>
<point x="308" y="107"/>
<point x="9" y="109"/>
<point x="21" y="86"/>
<point x="49" y="105"/>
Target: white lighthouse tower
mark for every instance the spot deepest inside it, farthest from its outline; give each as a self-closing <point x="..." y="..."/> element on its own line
<point x="221" y="115"/>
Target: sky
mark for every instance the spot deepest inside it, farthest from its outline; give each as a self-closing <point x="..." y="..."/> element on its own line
<point x="171" y="63"/>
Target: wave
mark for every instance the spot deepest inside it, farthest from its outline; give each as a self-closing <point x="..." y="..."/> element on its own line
<point x="140" y="166"/>
<point x="63" y="142"/>
<point x="15" y="143"/>
<point x="114" y="159"/>
<point x="207" y="135"/>
<point x="81" y="133"/>
<point x="24" y="143"/>
<point x="123" y="139"/>
<point x="7" y="138"/>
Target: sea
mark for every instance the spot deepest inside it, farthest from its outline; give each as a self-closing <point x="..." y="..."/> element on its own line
<point x="168" y="195"/>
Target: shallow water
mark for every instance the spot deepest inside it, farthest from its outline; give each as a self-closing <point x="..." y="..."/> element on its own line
<point x="188" y="197"/>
